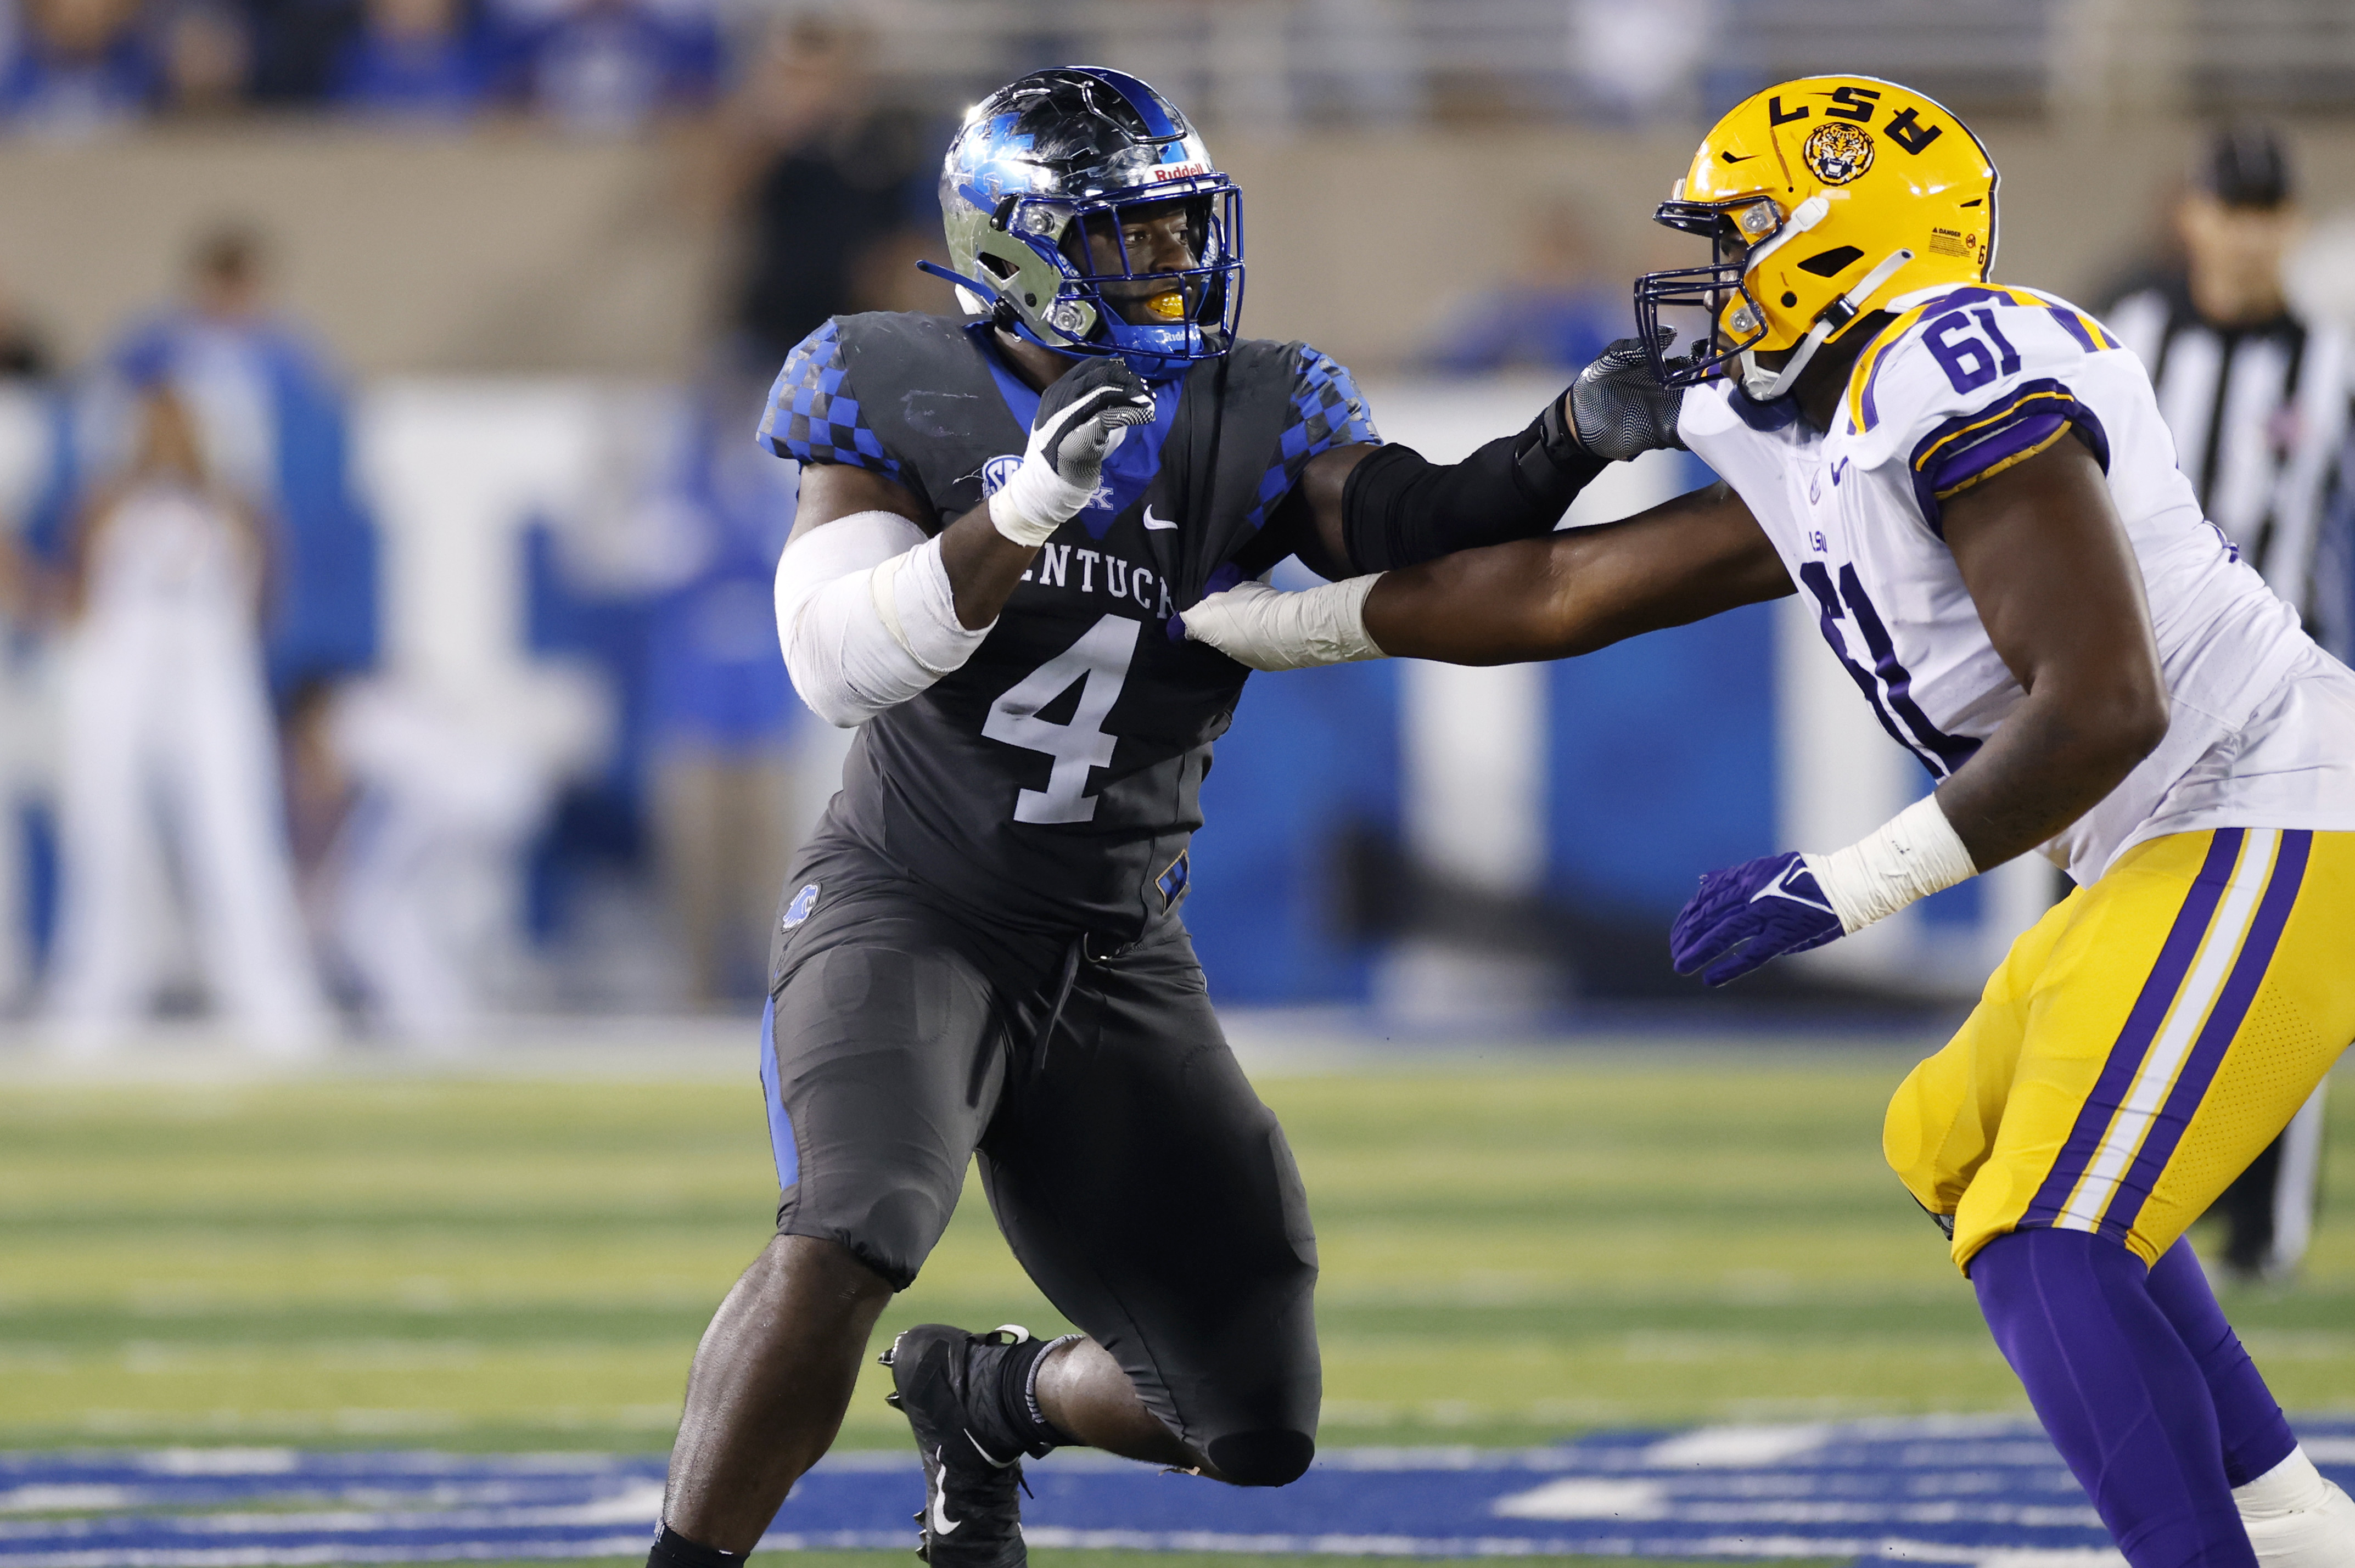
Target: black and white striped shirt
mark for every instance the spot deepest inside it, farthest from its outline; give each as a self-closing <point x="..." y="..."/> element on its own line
<point x="2259" y="416"/>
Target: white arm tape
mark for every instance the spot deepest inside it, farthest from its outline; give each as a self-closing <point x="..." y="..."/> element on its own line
<point x="1914" y="854"/>
<point x="1267" y="629"/>
<point x="867" y="616"/>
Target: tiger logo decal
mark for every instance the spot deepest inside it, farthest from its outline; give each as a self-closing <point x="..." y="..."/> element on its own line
<point x="1837" y="152"/>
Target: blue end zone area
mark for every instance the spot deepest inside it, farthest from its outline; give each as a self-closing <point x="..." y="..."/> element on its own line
<point x="1932" y="1489"/>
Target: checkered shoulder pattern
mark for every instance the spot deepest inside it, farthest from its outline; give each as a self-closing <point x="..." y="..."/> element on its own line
<point x="1327" y="412"/>
<point x="812" y="414"/>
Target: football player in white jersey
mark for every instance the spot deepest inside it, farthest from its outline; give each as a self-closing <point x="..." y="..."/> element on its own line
<point x="1972" y="484"/>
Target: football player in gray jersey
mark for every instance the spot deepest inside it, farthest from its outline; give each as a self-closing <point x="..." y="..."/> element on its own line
<point x="1002" y="519"/>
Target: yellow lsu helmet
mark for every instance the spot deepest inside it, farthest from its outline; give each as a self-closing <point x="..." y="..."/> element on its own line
<point x="1825" y="196"/>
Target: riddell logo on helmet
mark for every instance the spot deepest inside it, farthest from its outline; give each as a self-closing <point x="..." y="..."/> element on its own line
<point x="1838" y="153"/>
<point x="1179" y="171"/>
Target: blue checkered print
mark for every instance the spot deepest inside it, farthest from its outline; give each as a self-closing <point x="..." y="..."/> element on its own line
<point x="813" y="416"/>
<point x="1327" y="412"/>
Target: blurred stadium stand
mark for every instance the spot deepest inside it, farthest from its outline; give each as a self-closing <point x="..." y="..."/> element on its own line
<point x="533" y="302"/>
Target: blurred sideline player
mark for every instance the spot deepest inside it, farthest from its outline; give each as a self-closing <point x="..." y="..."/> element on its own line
<point x="1973" y="486"/>
<point x="168" y="756"/>
<point x="2257" y="400"/>
<point x="980" y="949"/>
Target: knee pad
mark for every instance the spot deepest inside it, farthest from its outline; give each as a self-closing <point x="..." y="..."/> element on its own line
<point x="1272" y="1458"/>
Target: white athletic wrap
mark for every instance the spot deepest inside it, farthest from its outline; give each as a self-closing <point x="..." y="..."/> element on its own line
<point x="1910" y="856"/>
<point x="867" y="616"/>
<point x="2296" y="1517"/>
<point x="1035" y="502"/>
<point x="1268" y="629"/>
<point x="1036" y="499"/>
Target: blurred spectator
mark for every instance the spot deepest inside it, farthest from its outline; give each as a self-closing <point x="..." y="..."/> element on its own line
<point x="612" y="67"/>
<point x="298" y="46"/>
<point x="409" y="814"/>
<point x="836" y="194"/>
<point x="24" y="347"/>
<point x="2257" y="402"/>
<point x="1556" y="310"/>
<point x="270" y="419"/>
<point x="418" y="60"/>
<point x="206" y="61"/>
<point x="168" y="762"/>
<point x="81" y="67"/>
<point x="721" y="715"/>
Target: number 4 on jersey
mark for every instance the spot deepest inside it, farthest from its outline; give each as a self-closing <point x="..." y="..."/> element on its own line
<point x="1100" y="658"/>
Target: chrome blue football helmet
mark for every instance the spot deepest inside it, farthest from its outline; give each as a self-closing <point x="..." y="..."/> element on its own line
<point x="1064" y="154"/>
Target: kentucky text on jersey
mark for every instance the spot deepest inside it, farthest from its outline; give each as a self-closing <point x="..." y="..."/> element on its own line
<point x="1054" y="780"/>
<point x="1119" y="580"/>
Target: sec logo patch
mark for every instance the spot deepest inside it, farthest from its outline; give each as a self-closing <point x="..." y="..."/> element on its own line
<point x="998" y="471"/>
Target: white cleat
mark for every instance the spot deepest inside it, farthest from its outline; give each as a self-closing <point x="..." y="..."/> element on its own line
<point x="2296" y="1519"/>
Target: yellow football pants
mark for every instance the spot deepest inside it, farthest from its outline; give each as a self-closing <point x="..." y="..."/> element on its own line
<point x="2140" y="1045"/>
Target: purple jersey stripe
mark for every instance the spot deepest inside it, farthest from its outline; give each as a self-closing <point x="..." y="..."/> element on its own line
<point x="1968" y="446"/>
<point x="2215" y="1037"/>
<point x="2074" y="325"/>
<point x="2175" y="956"/>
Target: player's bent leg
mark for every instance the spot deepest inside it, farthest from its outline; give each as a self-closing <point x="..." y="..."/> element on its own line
<point x="881" y="1062"/>
<point x="1941" y="1121"/>
<point x="2120" y="1396"/>
<point x="771" y="1379"/>
<point x="2294" y="1517"/>
<point x="2196" y="1000"/>
<point x="2251" y="1433"/>
<point x="1152" y="1196"/>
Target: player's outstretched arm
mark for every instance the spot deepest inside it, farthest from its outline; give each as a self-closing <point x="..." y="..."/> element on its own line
<point x="1565" y="594"/>
<point x="2057" y="588"/>
<point x="1377" y="508"/>
<point x="2056" y="585"/>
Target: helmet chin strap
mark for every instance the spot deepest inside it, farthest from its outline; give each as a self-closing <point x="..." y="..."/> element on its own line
<point x="1763" y="385"/>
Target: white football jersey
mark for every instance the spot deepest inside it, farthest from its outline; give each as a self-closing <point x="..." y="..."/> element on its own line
<point x="1966" y="382"/>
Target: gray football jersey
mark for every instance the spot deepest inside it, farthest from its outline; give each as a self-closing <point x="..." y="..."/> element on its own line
<point x="1054" y="781"/>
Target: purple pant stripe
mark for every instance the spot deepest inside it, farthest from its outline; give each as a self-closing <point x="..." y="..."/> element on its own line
<point x="2175" y="957"/>
<point x="2215" y="1037"/>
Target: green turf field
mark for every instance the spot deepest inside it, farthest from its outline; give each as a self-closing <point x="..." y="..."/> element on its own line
<point x="1510" y="1254"/>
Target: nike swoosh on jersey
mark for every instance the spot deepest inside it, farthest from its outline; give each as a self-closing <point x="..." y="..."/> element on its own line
<point x="1155" y="523"/>
<point x="942" y="1523"/>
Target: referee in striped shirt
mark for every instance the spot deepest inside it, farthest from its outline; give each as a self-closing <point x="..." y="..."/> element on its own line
<point x="2257" y="401"/>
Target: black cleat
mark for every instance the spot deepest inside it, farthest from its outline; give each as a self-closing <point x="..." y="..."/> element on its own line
<point x="972" y="1516"/>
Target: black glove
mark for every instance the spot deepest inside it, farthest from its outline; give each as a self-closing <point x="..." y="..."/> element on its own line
<point x="1617" y="406"/>
<point x="1083" y="414"/>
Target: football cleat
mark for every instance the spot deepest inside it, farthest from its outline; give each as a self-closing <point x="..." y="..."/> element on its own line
<point x="942" y="1378"/>
<point x="2319" y="1533"/>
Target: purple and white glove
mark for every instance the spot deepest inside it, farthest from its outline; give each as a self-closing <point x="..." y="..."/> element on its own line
<point x="1750" y="913"/>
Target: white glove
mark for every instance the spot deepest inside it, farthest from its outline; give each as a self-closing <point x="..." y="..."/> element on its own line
<point x="1267" y="629"/>
<point x="1083" y="415"/>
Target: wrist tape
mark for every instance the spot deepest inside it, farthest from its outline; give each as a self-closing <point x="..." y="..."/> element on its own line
<point x="1034" y="502"/>
<point x="1914" y="854"/>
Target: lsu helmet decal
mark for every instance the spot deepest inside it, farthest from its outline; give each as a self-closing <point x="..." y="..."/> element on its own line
<point x="1825" y="196"/>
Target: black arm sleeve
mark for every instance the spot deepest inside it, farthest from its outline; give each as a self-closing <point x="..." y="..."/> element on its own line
<point x="1398" y="509"/>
